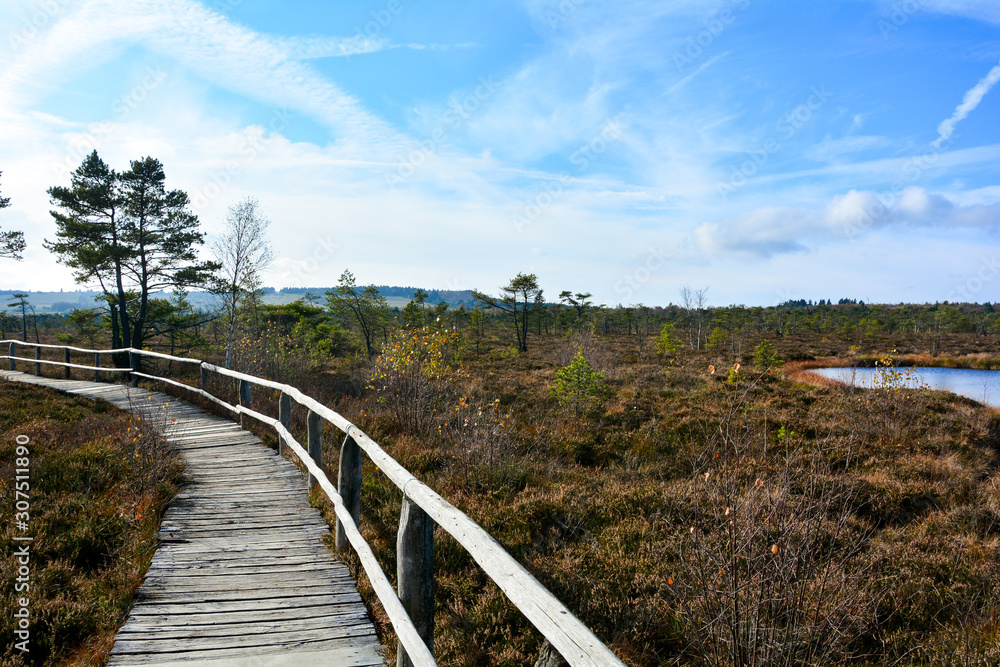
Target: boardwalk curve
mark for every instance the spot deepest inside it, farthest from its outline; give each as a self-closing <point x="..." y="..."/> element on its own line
<point x="241" y="576"/>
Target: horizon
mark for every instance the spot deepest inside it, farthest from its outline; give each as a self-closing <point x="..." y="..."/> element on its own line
<point x="397" y="302"/>
<point x="768" y="153"/>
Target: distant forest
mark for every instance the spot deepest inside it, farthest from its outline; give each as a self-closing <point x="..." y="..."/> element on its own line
<point x="451" y="297"/>
<point x="69" y="300"/>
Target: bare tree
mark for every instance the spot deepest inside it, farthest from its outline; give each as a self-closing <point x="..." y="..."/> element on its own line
<point x="700" y="302"/>
<point x="687" y="303"/>
<point x="694" y="302"/>
<point x="244" y="252"/>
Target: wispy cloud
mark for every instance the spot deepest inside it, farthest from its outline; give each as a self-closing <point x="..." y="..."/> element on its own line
<point x="704" y="66"/>
<point x="970" y="101"/>
<point x="227" y="54"/>
<point x="829" y="150"/>
<point x="301" y="48"/>
<point x="304" y="48"/>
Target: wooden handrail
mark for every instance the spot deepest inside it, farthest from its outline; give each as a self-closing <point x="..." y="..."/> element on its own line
<point x="574" y="641"/>
<point x="62" y="347"/>
<point x="65" y="365"/>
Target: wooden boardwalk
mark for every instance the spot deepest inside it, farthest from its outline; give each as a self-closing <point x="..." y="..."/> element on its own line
<point x="240" y="577"/>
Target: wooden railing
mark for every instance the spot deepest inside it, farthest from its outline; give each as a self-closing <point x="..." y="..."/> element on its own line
<point x="411" y="612"/>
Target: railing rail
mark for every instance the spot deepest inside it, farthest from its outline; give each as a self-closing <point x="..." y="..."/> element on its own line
<point x="421" y="505"/>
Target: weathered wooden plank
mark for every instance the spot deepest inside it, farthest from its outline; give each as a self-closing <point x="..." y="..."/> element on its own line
<point x="194" y="571"/>
<point x="287" y="605"/>
<point x="209" y="511"/>
<point x="291" y="638"/>
<point x="222" y="548"/>
<point x="311" y="654"/>
<point x="249" y="536"/>
<point x="355" y="625"/>
<point x="180" y="526"/>
<point x="205" y="494"/>
<point x="208" y="598"/>
<point x="286" y="582"/>
<point x="222" y="619"/>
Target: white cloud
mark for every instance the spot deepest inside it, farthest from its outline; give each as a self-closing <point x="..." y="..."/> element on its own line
<point x="770" y="231"/>
<point x="761" y="233"/>
<point x="970" y="101"/>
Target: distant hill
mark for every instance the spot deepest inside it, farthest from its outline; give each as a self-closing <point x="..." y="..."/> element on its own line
<point x="397" y="296"/>
<point x="65" y="301"/>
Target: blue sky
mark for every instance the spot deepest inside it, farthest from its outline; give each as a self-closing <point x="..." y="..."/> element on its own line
<point x="765" y="150"/>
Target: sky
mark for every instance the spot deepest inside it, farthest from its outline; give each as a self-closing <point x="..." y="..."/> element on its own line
<point x="763" y="151"/>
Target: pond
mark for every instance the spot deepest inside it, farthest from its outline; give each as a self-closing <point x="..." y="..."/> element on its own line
<point x="982" y="386"/>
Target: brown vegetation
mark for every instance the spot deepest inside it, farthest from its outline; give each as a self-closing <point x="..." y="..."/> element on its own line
<point x="695" y="520"/>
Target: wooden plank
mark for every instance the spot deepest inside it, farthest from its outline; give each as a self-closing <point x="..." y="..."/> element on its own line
<point x="198" y="571"/>
<point x="354" y="625"/>
<point x="179" y="557"/>
<point x="279" y="584"/>
<point x="287" y="605"/>
<point x="221" y="619"/>
<point x="220" y="536"/>
<point x="210" y="510"/>
<point x="328" y="653"/>
<point x="291" y="638"/>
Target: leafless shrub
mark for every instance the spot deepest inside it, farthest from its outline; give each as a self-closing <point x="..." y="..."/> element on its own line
<point x="771" y="573"/>
<point x="484" y="450"/>
<point x="144" y="441"/>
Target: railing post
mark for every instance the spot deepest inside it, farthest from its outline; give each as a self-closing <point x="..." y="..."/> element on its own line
<point x="12" y="352"/>
<point x="284" y="416"/>
<point x="132" y="380"/>
<point x="204" y="376"/>
<point x="38" y="366"/>
<point x="415" y="573"/>
<point x="97" y="364"/>
<point x="244" y="398"/>
<point x="314" y="426"/>
<point x="548" y="656"/>
<point x="349" y="486"/>
<point x="66" y="358"/>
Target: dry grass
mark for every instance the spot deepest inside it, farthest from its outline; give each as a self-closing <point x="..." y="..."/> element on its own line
<point x="867" y="519"/>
